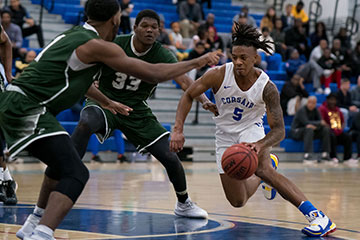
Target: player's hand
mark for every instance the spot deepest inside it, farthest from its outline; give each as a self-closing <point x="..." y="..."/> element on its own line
<point x="211" y="107"/>
<point x="177" y="142"/>
<point x="116" y="107"/>
<point x="210" y="59"/>
<point x="9" y="78"/>
<point x="255" y="146"/>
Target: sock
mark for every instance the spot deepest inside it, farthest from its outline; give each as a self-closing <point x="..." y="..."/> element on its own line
<point x="182" y="196"/>
<point x="38" y="211"/>
<point x="7" y="175"/>
<point x="1" y="174"/>
<point x="306" y="207"/>
<point x="45" y="229"/>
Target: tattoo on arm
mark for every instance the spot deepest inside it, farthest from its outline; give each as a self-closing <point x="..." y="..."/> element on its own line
<point x="274" y="116"/>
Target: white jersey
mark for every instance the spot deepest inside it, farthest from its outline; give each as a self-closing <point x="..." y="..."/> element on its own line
<point x="240" y="110"/>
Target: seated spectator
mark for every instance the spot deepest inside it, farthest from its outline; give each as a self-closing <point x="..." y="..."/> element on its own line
<point x="20" y="16"/>
<point x="215" y="42"/>
<point x="311" y="71"/>
<point x="319" y="34"/>
<point x="126" y="9"/>
<point x="177" y="40"/>
<point x="266" y="36"/>
<point x="190" y="17"/>
<point x="293" y="95"/>
<point x="198" y="51"/>
<point x="298" y="12"/>
<point x="342" y="58"/>
<point x="318" y="51"/>
<point x="244" y="12"/>
<point x="356" y="60"/>
<point x="295" y="37"/>
<point x="278" y="36"/>
<point x="334" y="119"/>
<point x="21" y="64"/>
<point x="330" y="73"/>
<point x="269" y="19"/>
<point x="355" y="93"/>
<point x="355" y="134"/>
<point x="344" y="102"/>
<point x="287" y="18"/>
<point x="344" y="38"/>
<point x="14" y="33"/>
<point x="210" y="20"/>
<point x="307" y="126"/>
<point x="163" y="37"/>
<point x="293" y="64"/>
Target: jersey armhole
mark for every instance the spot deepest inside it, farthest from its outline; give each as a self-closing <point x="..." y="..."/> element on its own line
<point x="222" y="79"/>
<point x="76" y="64"/>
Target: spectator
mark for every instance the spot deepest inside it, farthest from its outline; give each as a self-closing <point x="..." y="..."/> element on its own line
<point x="355" y="93"/>
<point x="278" y="36"/>
<point x="296" y="38"/>
<point x="269" y="19"/>
<point x="198" y="51"/>
<point x="126" y="9"/>
<point x="298" y="12"/>
<point x="266" y="36"/>
<point x="342" y="58"/>
<point x="14" y="33"/>
<point x="293" y="64"/>
<point x="163" y="37"/>
<point x="356" y="60"/>
<point x="319" y="34"/>
<point x="20" y="16"/>
<point x="335" y="120"/>
<point x="293" y="95"/>
<point x="330" y="73"/>
<point x="190" y="17"/>
<point x="344" y="102"/>
<point x="20" y="64"/>
<point x="177" y="40"/>
<point x="307" y="126"/>
<point x="210" y="20"/>
<point x="318" y="51"/>
<point x="244" y="12"/>
<point x="287" y="19"/>
<point x="355" y="134"/>
<point x="344" y="39"/>
<point x="215" y="42"/>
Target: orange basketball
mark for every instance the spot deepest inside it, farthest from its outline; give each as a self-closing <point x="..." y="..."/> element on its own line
<point x="239" y="161"/>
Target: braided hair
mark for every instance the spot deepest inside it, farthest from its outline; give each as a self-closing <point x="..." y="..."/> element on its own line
<point x="246" y="35"/>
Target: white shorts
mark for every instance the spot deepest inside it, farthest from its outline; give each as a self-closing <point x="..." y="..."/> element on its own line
<point x="224" y="140"/>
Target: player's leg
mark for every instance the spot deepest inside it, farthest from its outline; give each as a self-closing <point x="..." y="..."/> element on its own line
<point x="321" y="225"/>
<point x="91" y="121"/>
<point x="171" y="162"/>
<point x="59" y="153"/>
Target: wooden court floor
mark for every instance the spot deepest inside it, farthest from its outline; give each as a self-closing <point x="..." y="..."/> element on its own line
<point x="136" y="201"/>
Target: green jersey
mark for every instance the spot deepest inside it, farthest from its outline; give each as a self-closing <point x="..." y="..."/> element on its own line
<point x="127" y="89"/>
<point x="56" y="78"/>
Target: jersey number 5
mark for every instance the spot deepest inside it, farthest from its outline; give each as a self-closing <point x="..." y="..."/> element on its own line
<point x="119" y="82"/>
<point x="237" y="114"/>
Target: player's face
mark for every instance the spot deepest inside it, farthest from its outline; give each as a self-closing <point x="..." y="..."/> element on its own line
<point x="147" y="31"/>
<point x="116" y="24"/>
<point x="243" y="58"/>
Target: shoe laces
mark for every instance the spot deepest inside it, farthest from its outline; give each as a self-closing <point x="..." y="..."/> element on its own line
<point x="313" y="215"/>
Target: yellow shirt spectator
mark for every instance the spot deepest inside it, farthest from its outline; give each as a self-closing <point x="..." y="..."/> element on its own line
<point x="302" y="14"/>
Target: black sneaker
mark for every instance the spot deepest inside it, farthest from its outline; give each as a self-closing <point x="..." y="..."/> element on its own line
<point x="122" y="158"/>
<point x="2" y="192"/>
<point x="10" y="187"/>
<point x="97" y="158"/>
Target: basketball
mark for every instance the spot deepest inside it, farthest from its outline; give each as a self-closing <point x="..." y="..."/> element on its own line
<point x="239" y="161"/>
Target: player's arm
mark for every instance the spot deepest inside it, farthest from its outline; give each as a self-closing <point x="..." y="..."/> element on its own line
<point x="208" y="80"/>
<point x="274" y="116"/>
<point x="115" y="107"/>
<point x="184" y="81"/>
<point x="6" y="54"/>
<point x="112" y="55"/>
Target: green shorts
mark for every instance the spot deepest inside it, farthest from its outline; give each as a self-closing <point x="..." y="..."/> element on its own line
<point x="141" y="128"/>
<point x="23" y="121"/>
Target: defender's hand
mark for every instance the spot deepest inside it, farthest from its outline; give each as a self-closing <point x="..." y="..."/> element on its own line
<point x="177" y="142"/>
<point x="116" y="107"/>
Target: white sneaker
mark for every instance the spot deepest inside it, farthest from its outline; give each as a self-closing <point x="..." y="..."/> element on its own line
<point x="320" y="225"/>
<point x="327" y="91"/>
<point x="189" y="209"/>
<point x="28" y="227"/>
<point x="38" y="235"/>
<point x="335" y="160"/>
<point x="319" y="91"/>
<point x="352" y="162"/>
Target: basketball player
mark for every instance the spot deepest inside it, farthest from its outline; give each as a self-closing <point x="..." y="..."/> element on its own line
<point x="58" y="77"/>
<point x="7" y="184"/>
<point x="243" y="94"/>
<point x="141" y="127"/>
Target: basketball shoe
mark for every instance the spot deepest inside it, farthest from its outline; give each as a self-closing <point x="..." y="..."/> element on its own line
<point x="28" y="227"/>
<point x="39" y="235"/>
<point x="189" y="209"/>
<point x="268" y="191"/>
<point x="10" y="189"/>
<point x="320" y="225"/>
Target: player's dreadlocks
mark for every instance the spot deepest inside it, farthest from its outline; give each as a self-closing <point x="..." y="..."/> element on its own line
<point x="246" y="35"/>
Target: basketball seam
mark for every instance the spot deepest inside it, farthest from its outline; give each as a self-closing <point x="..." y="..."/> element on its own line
<point x="228" y="173"/>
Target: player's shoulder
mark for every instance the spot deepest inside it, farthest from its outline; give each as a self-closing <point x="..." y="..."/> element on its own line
<point x="123" y="40"/>
<point x="218" y="71"/>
